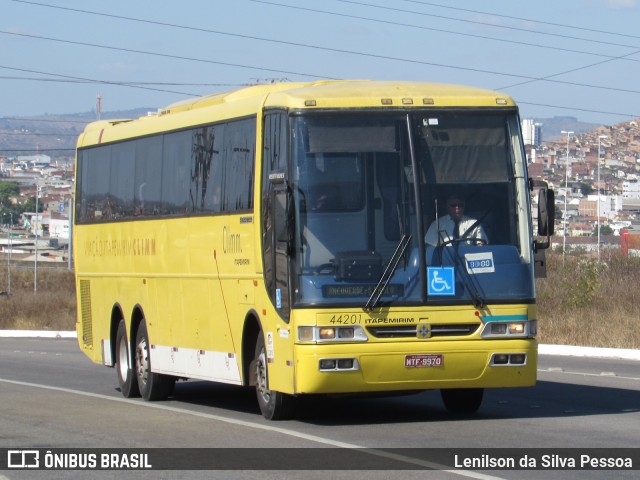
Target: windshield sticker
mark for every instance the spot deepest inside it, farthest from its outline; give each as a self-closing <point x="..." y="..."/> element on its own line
<point x="479" y="262"/>
<point x="441" y="281"/>
<point x="430" y="121"/>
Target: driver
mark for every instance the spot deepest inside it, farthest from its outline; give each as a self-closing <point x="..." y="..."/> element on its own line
<point x="452" y="228"/>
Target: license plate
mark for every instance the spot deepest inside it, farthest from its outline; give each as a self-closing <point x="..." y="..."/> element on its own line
<point x="424" y="360"/>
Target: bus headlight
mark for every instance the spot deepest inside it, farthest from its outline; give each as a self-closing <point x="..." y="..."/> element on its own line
<point x="307" y="334"/>
<point x="516" y="328"/>
<point x="526" y="329"/>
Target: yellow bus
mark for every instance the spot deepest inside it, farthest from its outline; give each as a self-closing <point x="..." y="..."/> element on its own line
<point x="280" y="236"/>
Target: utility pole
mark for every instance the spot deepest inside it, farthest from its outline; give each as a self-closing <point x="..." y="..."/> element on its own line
<point x="37" y="224"/>
<point x="600" y="137"/>
<point x="9" y="248"/>
<point x="566" y="194"/>
<point x="98" y="106"/>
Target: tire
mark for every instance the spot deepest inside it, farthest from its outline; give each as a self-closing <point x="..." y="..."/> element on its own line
<point x="153" y="386"/>
<point x="462" y="400"/>
<point x="126" y="377"/>
<point x="273" y="405"/>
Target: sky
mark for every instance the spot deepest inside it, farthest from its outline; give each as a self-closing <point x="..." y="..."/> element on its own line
<point x="576" y="58"/>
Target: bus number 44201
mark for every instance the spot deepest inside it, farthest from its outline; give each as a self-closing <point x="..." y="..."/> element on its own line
<point x="425" y="360"/>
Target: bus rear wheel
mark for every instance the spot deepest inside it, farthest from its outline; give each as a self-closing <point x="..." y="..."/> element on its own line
<point x="462" y="400"/>
<point x="273" y="405"/>
<point x="126" y="376"/>
<point x="153" y="386"/>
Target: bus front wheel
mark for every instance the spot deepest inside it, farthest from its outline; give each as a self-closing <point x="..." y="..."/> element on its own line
<point x="462" y="400"/>
<point x="273" y="405"/>
<point x="126" y="377"/>
<point x="153" y="386"/>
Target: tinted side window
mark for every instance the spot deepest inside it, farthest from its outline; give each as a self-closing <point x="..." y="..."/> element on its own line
<point x="148" y="176"/>
<point x="201" y="170"/>
<point x="121" y="183"/>
<point x="176" y="173"/>
<point x="206" y="169"/>
<point x="239" y="155"/>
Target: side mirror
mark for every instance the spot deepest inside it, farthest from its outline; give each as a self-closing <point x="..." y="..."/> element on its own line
<point x="284" y="218"/>
<point x="546" y="216"/>
<point x="546" y="212"/>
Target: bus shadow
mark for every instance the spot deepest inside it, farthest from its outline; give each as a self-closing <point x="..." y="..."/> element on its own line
<point x="545" y="400"/>
<point x="216" y="395"/>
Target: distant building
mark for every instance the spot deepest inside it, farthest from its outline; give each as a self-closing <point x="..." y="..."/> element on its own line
<point x="531" y="132"/>
<point x="59" y="226"/>
<point x="631" y="189"/>
<point x="34" y="159"/>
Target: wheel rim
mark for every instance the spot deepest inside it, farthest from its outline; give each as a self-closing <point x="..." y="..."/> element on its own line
<point x="123" y="358"/>
<point x="142" y="361"/>
<point x="261" y="378"/>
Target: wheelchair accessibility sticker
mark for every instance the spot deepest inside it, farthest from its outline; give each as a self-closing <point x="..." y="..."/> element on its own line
<point x="441" y="281"/>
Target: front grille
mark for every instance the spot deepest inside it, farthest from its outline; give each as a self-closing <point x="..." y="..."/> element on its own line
<point x="410" y="331"/>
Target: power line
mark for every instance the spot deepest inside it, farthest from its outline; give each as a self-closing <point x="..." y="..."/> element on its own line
<point x="91" y="80"/>
<point x="478" y="22"/>
<point x="166" y="55"/>
<point x="569" y="71"/>
<point x="41" y="150"/>
<point x="528" y="20"/>
<point x="529" y="79"/>
<point x="335" y="50"/>
<point x="299" y="44"/>
<point x="35" y="134"/>
<point x="59" y="120"/>
<point x="125" y="82"/>
<point x="579" y="109"/>
<point x="439" y="30"/>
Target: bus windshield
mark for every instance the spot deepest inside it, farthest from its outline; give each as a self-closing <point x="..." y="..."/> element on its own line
<point x="365" y="183"/>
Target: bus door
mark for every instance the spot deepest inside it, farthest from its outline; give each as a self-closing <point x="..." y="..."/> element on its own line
<point x="277" y="221"/>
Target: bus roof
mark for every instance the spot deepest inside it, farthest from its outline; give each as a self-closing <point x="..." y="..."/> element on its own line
<point x="345" y="93"/>
<point x="328" y="94"/>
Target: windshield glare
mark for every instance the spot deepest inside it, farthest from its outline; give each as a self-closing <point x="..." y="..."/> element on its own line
<point x="362" y="183"/>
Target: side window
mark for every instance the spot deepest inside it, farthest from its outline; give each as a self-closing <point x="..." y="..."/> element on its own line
<point x="206" y="169"/>
<point x="202" y="170"/>
<point x="123" y="166"/>
<point x="239" y="159"/>
<point x="94" y="175"/>
<point x="148" y="177"/>
<point x="176" y="173"/>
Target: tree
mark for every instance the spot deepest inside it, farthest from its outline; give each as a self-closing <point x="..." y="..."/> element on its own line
<point x="585" y="189"/>
<point x="604" y="230"/>
<point x="7" y="190"/>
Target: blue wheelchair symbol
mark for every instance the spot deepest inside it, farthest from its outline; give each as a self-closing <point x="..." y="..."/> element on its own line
<point x="441" y="281"/>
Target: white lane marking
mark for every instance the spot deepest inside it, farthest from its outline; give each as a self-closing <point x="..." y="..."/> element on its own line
<point x="592" y="352"/>
<point x="584" y="374"/>
<point x="269" y="428"/>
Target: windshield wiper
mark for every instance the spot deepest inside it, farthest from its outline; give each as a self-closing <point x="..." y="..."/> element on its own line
<point x="467" y="280"/>
<point x="387" y="274"/>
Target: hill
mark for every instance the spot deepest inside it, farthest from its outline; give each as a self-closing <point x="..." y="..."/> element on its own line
<point x="54" y="135"/>
<point x="552" y="127"/>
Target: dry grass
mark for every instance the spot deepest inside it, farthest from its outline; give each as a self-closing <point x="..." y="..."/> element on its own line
<point x="582" y="303"/>
<point x="579" y="303"/>
<point x="52" y="307"/>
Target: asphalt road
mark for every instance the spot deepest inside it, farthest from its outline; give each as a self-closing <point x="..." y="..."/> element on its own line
<point x="52" y="396"/>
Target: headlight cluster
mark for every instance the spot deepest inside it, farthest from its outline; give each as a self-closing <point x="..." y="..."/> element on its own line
<point x="526" y="329"/>
<point x="331" y="334"/>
